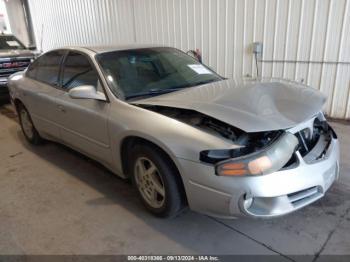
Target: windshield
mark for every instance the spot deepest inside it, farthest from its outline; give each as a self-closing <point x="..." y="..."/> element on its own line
<point x="152" y="71"/>
<point x="10" y="42"/>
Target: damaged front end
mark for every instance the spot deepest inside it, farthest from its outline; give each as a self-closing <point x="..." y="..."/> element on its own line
<point x="284" y="150"/>
<point x="259" y="174"/>
<point x="257" y="153"/>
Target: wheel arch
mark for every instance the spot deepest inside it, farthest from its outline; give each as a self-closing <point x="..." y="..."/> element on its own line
<point x="130" y="141"/>
<point x="17" y="102"/>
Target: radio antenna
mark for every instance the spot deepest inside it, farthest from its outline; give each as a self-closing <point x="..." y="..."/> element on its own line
<point x="41" y="40"/>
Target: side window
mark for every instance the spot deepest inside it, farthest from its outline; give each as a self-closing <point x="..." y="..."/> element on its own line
<point x="78" y="71"/>
<point x="46" y="68"/>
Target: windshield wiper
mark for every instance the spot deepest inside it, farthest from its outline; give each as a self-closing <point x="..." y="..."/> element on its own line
<point x="152" y="92"/>
<point x="204" y="82"/>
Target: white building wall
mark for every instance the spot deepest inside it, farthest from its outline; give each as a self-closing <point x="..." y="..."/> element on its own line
<point x="59" y="23"/>
<point x="16" y="19"/>
<point x="304" y="40"/>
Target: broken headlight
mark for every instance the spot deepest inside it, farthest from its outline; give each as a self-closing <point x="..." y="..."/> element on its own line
<point x="267" y="160"/>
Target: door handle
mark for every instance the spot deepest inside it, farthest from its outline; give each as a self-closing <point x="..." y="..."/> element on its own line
<point x="61" y="108"/>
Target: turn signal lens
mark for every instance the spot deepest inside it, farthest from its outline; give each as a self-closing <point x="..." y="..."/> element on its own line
<point x="238" y="172"/>
<point x="233" y="169"/>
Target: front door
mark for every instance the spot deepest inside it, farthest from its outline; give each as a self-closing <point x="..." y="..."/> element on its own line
<point x="83" y="122"/>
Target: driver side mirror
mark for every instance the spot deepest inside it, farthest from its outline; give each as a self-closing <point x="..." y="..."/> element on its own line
<point x="86" y="92"/>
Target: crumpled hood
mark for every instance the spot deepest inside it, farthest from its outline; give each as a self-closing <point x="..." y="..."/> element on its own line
<point x="252" y="106"/>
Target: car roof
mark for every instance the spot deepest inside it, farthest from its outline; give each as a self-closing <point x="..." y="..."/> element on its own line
<point x="108" y="48"/>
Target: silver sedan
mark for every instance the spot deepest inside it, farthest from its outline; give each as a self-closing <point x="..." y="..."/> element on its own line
<point x="183" y="134"/>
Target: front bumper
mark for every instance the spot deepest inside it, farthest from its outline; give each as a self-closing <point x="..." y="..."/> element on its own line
<point x="270" y="195"/>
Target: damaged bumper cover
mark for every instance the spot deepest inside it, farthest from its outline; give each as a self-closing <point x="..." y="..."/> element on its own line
<point x="275" y="194"/>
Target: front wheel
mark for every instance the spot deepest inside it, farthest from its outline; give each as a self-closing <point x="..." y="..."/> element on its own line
<point x="28" y="129"/>
<point x="157" y="181"/>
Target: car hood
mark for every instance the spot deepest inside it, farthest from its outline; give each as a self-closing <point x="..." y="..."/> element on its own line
<point x="252" y="106"/>
<point x="15" y="53"/>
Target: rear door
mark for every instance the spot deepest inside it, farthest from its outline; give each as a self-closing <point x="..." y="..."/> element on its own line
<point x="83" y="122"/>
<point x="43" y="82"/>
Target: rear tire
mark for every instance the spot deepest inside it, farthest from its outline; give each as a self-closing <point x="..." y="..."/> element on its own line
<point x="28" y="129"/>
<point x="156" y="180"/>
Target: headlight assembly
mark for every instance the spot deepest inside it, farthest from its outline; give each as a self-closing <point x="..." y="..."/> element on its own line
<point x="267" y="160"/>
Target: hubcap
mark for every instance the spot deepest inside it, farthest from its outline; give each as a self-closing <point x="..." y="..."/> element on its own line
<point x="149" y="182"/>
<point x="26" y="124"/>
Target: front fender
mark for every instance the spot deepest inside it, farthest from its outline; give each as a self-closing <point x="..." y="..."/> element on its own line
<point x="177" y="139"/>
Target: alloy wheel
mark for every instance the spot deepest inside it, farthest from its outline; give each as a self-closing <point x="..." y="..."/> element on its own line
<point x="149" y="182"/>
<point x="27" y="124"/>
